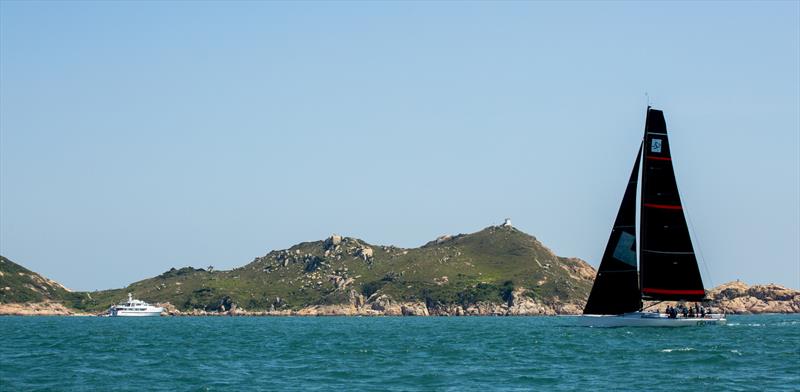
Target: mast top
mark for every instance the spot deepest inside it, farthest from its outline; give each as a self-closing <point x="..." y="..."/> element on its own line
<point x="655" y="121"/>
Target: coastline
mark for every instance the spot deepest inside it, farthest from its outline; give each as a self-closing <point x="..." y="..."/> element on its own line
<point x="39" y="309"/>
<point x="731" y="298"/>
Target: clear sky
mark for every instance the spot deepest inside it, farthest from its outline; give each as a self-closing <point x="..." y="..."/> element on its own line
<point x="138" y="136"/>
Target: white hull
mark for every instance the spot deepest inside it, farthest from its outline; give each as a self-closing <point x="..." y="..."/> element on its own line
<point x="125" y="313"/>
<point x="643" y="319"/>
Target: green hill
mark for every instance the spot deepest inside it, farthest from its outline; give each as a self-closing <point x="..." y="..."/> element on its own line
<point x="498" y="270"/>
<point x="487" y="266"/>
<point x="19" y="284"/>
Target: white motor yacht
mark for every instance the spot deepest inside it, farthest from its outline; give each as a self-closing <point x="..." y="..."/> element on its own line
<point x="134" y="308"/>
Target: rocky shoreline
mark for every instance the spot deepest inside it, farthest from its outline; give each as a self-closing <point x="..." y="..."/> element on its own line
<point x="382" y="305"/>
<point x="730" y="298"/>
<point x="738" y="298"/>
<point x="38" y="309"/>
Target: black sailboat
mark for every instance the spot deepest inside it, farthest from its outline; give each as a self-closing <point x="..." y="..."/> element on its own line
<point x="667" y="267"/>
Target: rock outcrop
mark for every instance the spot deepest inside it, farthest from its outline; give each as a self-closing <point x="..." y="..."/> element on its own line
<point x="522" y="304"/>
<point x="737" y="297"/>
<point x="38" y="309"/>
<point x="169" y="309"/>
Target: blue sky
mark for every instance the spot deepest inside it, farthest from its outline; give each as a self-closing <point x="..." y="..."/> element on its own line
<point x="138" y="136"/>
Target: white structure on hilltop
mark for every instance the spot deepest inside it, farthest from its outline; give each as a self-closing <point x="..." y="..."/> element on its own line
<point x="506" y="223"/>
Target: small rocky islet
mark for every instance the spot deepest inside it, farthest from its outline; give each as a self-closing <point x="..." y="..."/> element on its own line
<point x="496" y="271"/>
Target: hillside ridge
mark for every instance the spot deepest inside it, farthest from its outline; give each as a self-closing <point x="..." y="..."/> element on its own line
<point x="19" y="284"/>
<point x="498" y="270"/>
<point x="498" y="265"/>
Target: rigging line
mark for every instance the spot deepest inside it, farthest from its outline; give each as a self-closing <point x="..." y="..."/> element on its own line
<point x="699" y="249"/>
<point x="700" y="252"/>
<point x="651" y="305"/>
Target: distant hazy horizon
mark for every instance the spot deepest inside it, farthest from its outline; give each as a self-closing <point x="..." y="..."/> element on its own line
<point x="135" y="137"/>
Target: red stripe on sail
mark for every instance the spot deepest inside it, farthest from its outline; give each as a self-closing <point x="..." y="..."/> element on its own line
<point x="666" y="291"/>
<point x="659" y="158"/>
<point x="663" y="206"/>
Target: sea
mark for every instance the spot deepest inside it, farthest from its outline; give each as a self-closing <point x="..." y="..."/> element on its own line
<point x="751" y="353"/>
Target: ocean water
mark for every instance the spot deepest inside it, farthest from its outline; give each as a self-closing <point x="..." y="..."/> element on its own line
<point x="393" y="353"/>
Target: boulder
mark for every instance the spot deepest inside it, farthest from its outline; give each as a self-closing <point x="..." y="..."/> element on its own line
<point x="169" y="309"/>
<point x="438" y="309"/>
<point x="486" y="309"/>
<point x="333" y="241"/>
<point x="364" y="252"/>
<point x="443" y="238"/>
<point x="414" y="309"/>
<point x="356" y="299"/>
<point x="523" y="305"/>
<point x="385" y="305"/>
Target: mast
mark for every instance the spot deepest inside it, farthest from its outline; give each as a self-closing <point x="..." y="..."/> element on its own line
<point x="616" y="287"/>
<point x="668" y="266"/>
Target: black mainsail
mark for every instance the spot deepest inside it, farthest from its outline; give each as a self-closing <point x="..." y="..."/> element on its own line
<point x="667" y="264"/>
<point x="616" y="287"/>
<point x="667" y="261"/>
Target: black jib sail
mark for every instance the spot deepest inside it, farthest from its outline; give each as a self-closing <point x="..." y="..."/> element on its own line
<point x="668" y="266"/>
<point x="616" y="287"/>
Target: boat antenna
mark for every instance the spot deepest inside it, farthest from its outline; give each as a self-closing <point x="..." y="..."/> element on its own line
<point x="647" y="97"/>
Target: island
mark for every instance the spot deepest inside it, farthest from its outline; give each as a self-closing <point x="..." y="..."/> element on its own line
<point x="499" y="270"/>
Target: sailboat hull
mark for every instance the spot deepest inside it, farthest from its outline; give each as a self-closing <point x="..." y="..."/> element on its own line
<point x="644" y="319"/>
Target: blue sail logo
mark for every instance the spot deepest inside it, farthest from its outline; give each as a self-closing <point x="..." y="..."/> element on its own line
<point x="655" y="145"/>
